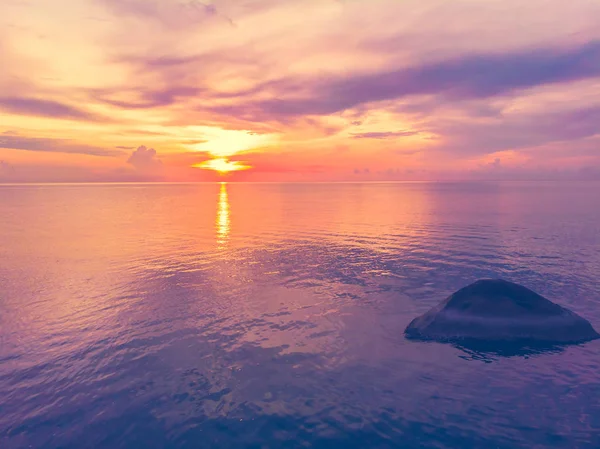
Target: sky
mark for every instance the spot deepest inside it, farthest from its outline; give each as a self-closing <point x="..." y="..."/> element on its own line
<point x="299" y="90"/>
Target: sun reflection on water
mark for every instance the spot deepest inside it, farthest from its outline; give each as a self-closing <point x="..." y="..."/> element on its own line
<point x="222" y="223"/>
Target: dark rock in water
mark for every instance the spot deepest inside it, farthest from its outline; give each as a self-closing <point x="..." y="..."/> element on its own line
<point x="499" y="311"/>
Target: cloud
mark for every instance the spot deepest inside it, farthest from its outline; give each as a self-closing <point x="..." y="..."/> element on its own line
<point x="5" y="167"/>
<point x="44" y="108"/>
<point x="144" y="159"/>
<point x="18" y="142"/>
<point x="7" y="171"/>
<point x="143" y="132"/>
<point x="26" y="172"/>
<point x="516" y="131"/>
<point x="466" y="77"/>
<point x="172" y="14"/>
<point x="527" y="173"/>
<point x="139" y="99"/>
<point x="124" y="148"/>
<point x="589" y="173"/>
<point x="384" y="135"/>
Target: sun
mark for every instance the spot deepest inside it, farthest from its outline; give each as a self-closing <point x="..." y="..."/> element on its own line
<point x="222" y="165"/>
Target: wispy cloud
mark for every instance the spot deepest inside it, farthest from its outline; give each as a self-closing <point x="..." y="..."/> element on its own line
<point x="145" y="99"/>
<point x="17" y="142"/>
<point x="45" y="108"/>
<point x="173" y="14"/>
<point x="384" y="135"/>
<point x="518" y="131"/>
<point x="467" y="77"/>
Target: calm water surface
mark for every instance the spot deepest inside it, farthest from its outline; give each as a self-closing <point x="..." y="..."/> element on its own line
<point x="271" y="315"/>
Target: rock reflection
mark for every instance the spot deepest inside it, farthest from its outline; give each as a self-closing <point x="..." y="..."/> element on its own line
<point x="491" y="351"/>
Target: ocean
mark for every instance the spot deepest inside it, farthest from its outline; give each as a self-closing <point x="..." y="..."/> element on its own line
<point x="272" y="315"/>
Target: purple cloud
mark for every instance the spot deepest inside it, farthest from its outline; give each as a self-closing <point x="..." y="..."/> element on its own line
<point x="5" y="167"/>
<point x="384" y="135"/>
<point x="144" y="159"/>
<point x="17" y="142"/>
<point x="7" y="171"/>
<point x="522" y="131"/>
<point x="171" y="14"/>
<point x="44" y="108"/>
<point x="467" y="77"/>
<point x="147" y="99"/>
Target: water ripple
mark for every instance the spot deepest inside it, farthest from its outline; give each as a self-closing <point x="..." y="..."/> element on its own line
<point x="134" y="318"/>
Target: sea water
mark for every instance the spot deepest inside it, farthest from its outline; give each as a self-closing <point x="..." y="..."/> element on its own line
<point x="272" y="315"/>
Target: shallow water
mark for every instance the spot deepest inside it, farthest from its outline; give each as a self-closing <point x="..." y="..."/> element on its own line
<point x="272" y="315"/>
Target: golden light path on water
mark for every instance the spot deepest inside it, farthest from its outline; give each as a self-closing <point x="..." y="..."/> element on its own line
<point x="222" y="221"/>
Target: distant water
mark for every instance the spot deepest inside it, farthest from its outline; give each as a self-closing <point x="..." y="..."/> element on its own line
<point x="271" y="315"/>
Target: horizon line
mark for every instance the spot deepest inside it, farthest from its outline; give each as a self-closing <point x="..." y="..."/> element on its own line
<point x="61" y="183"/>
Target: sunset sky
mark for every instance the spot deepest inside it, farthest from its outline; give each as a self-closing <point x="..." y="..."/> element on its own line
<point x="299" y="90"/>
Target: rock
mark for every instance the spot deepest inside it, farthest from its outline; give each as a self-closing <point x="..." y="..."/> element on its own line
<point x="495" y="310"/>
